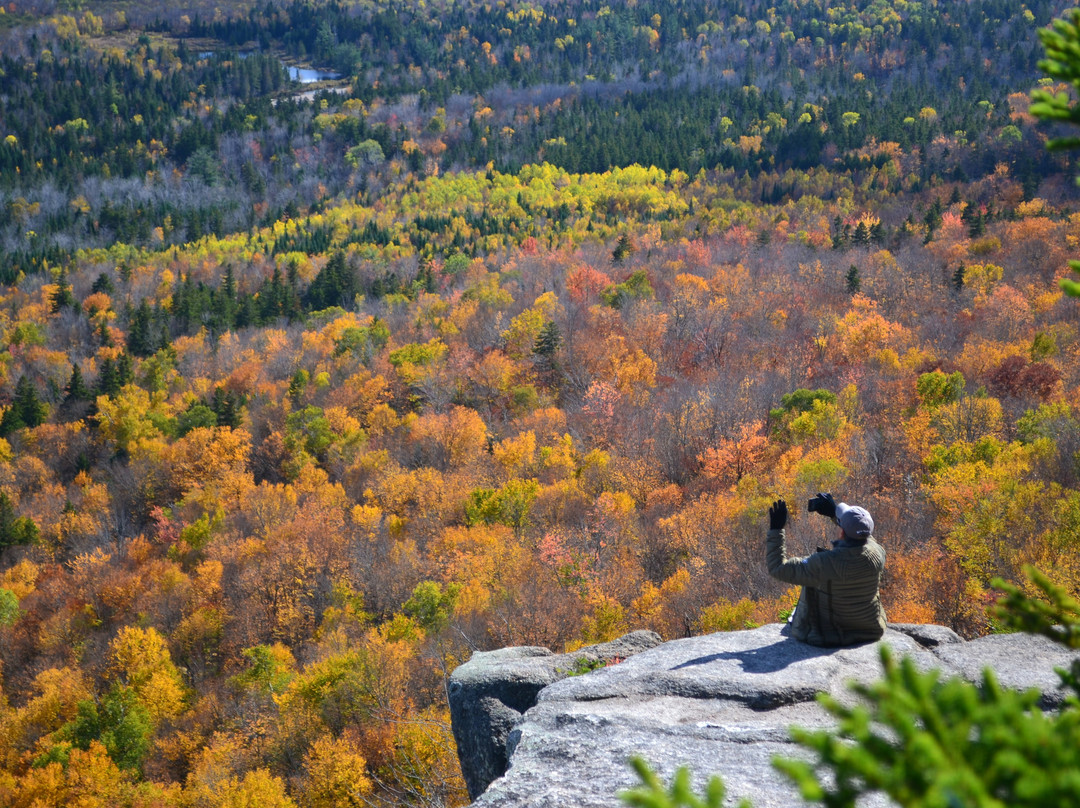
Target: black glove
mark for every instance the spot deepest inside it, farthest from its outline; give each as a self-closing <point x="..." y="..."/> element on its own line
<point x="778" y="515"/>
<point x="823" y="504"/>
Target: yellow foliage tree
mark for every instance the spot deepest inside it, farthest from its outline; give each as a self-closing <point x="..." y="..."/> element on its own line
<point x="125" y="421"/>
<point x="89" y="780"/>
<point x="336" y="774"/>
<point x="214" y="461"/>
<point x="423" y="767"/>
<point x="141" y="659"/>
<point x="257" y="789"/>
<point x="525" y="328"/>
<point x="516" y="455"/>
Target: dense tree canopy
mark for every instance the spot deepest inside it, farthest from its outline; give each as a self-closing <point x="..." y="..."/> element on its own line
<point x="508" y="335"/>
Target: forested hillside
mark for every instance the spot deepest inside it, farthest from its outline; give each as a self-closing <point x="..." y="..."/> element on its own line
<point x="508" y="334"/>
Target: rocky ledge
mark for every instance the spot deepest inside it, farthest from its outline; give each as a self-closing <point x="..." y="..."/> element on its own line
<point x="532" y="733"/>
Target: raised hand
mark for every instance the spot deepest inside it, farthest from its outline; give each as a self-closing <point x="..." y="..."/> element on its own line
<point x="778" y="515"/>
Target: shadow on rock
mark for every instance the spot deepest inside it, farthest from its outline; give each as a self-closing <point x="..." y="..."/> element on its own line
<point x="765" y="659"/>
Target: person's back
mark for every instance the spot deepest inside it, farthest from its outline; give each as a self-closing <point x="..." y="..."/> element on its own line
<point x="840" y="603"/>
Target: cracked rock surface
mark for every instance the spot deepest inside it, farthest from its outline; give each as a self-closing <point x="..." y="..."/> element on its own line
<point x="531" y="734"/>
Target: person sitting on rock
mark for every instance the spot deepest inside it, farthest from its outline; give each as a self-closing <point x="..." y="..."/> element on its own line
<point x="839" y="603"/>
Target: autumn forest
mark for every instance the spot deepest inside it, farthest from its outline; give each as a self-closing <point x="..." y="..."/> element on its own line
<point x="504" y="330"/>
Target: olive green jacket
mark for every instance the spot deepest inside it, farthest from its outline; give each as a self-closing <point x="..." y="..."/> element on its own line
<point x="839" y="603"/>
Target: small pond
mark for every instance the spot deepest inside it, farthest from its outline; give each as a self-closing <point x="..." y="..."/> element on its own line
<point x="304" y="75"/>
<point x="309" y="75"/>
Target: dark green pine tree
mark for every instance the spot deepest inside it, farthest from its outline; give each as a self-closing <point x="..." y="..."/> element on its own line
<point x="32" y="410"/>
<point x="102" y="284"/>
<point x="854" y="282"/>
<point x="838" y="235"/>
<point x="106" y="380"/>
<point x="26" y="410"/>
<point x="15" y="529"/>
<point x="247" y="312"/>
<point x="932" y="220"/>
<point x="546" y="351"/>
<point x="62" y="298"/>
<point x="76" y="389"/>
<point x="623" y="249"/>
<point x="228" y="285"/>
<point x="298" y="385"/>
<point x="114" y="375"/>
<point x="273" y="297"/>
<point x="227" y="405"/>
<point x="958" y="279"/>
<point x="223" y="303"/>
<point x="377" y="288"/>
<point x="548" y="341"/>
<point x="183" y="307"/>
<point x="104" y="335"/>
<point x="292" y="304"/>
<point x="140" y="341"/>
<point x="125" y="369"/>
<point x="335" y="285"/>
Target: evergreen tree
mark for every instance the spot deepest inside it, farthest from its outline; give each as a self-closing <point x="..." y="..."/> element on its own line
<point x="854" y="282"/>
<point x="273" y="297"/>
<point x="114" y="375"/>
<point x="183" y="307"/>
<point x="26" y="410"/>
<point x="623" y="249"/>
<point x="228" y="286"/>
<point x="62" y="297"/>
<point x="247" y="312"/>
<point x="104" y="335"/>
<point x="106" y="381"/>
<point x="15" y="530"/>
<point x="335" y="285"/>
<point x="839" y="235"/>
<point x="102" y="284"/>
<point x="546" y="350"/>
<point x="76" y="389"/>
<point x="125" y="369"/>
<point x="932" y="220"/>
<point x="298" y="385"/>
<point x="227" y="407"/>
<point x="223" y="303"/>
<point x="140" y="341"/>
<point x="548" y="341"/>
<point x="292" y="305"/>
<point x="958" y="278"/>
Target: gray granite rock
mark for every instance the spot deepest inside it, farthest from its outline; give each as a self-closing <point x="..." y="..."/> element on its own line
<point x="489" y="693"/>
<point x="761" y="668"/>
<point x="720" y="704"/>
<point x="928" y="636"/>
<point x="1019" y="661"/>
<point x="576" y="754"/>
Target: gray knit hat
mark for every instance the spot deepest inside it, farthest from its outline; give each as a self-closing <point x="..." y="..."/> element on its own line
<point x="855" y="521"/>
